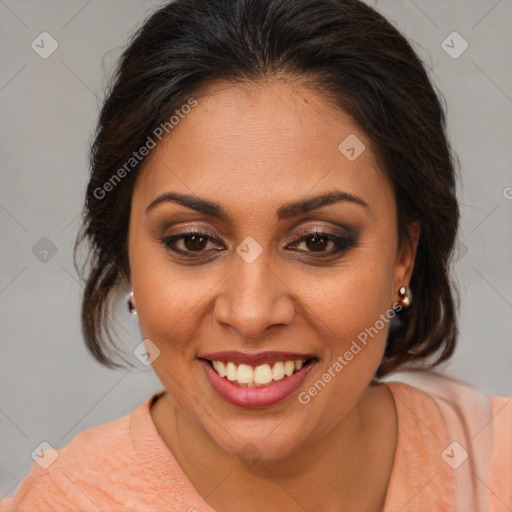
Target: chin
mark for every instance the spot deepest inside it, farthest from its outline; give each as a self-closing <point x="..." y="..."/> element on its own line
<point x="262" y="439"/>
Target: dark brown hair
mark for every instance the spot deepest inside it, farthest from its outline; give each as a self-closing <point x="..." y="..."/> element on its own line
<point x="346" y="51"/>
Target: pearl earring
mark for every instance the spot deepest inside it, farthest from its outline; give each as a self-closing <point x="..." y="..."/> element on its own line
<point x="131" y="304"/>
<point x="403" y="294"/>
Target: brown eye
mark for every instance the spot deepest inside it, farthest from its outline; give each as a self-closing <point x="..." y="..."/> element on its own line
<point x="317" y="242"/>
<point x="192" y="242"/>
<point x="195" y="242"/>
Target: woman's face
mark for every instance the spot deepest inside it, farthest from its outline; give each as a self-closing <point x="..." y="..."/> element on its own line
<point x="257" y="279"/>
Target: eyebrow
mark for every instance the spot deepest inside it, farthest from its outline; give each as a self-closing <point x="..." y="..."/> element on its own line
<point x="287" y="211"/>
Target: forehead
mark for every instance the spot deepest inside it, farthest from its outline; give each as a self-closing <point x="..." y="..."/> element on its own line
<point x="263" y="143"/>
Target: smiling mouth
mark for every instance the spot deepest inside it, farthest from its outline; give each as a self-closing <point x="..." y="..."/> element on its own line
<point x="263" y="375"/>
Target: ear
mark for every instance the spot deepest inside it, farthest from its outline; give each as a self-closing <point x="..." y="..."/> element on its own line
<point x="406" y="255"/>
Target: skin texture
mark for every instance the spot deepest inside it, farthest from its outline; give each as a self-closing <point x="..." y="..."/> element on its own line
<point x="252" y="148"/>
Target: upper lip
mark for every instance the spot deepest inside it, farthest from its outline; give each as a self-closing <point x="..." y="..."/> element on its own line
<point x="255" y="359"/>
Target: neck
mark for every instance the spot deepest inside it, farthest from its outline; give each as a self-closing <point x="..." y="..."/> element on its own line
<point x="350" y="465"/>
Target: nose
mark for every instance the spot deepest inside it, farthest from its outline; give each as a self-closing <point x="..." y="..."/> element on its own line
<point x="253" y="298"/>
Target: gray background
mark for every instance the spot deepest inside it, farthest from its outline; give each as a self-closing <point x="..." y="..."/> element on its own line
<point x="50" y="387"/>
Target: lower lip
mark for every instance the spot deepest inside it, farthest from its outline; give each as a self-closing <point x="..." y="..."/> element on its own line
<point x="255" y="397"/>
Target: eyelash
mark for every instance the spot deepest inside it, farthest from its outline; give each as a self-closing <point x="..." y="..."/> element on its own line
<point x="342" y="243"/>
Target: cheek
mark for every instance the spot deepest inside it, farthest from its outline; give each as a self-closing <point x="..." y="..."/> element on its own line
<point x="169" y="303"/>
<point x="351" y="300"/>
<point x="349" y="311"/>
<point x="174" y="304"/>
<point x="163" y="291"/>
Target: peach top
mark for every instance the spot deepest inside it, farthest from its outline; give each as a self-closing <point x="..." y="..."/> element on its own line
<point x="124" y="465"/>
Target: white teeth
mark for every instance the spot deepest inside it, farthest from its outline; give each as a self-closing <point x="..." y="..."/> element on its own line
<point x="247" y="376"/>
<point x="231" y="371"/>
<point x="278" y="371"/>
<point x="220" y="368"/>
<point x="244" y="374"/>
<point x="289" y="368"/>
<point x="262" y="374"/>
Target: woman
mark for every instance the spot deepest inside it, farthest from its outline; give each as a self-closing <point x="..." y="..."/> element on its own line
<point x="271" y="180"/>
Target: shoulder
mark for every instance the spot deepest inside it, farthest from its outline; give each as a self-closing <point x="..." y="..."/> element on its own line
<point x="75" y="478"/>
<point x="477" y="426"/>
<point x="501" y="469"/>
<point x="427" y="388"/>
<point x="460" y="405"/>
